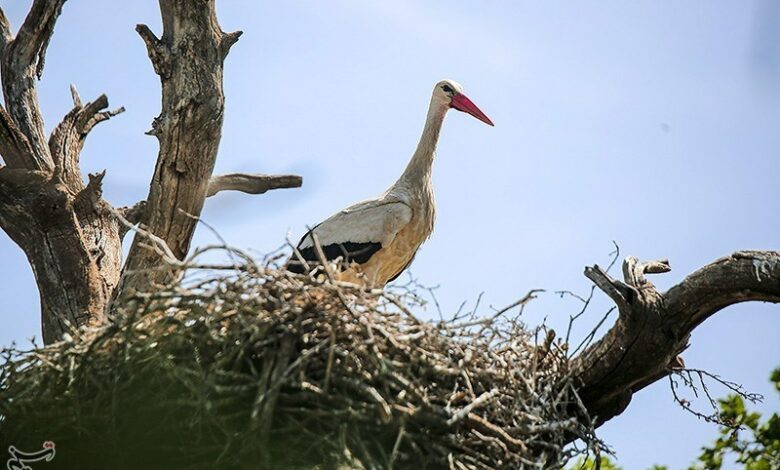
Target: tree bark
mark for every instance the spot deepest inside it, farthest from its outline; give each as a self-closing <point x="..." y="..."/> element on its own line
<point x="189" y="60"/>
<point x="251" y="184"/>
<point x="653" y="328"/>
<point x="70" y="235"/>
<point x="70" y="239"/>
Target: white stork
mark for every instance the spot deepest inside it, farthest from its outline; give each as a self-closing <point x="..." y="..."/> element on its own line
<point x="377" y="239"/>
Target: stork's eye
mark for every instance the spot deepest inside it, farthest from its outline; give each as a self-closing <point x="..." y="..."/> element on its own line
<point x="446" y="88"/>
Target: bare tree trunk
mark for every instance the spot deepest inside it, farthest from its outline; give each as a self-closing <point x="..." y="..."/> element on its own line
<point x="70" y="239"/>
<point x="189" y="59"/>
<point x="72" y="244"/>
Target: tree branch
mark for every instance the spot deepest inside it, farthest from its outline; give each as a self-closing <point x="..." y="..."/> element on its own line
<point x="6" y="36"/>
<point x="14" y="146"/>
<point x="619" y="292"/>
<point x="157" y="51"/>
<point x="247" y="183"/>
<point x="252" y="183"/>
<point x="62" y="225"/>
<point x="36" y="31"/>
<point x="135" y="214"/>
<point x="23" y="60"/>
<point x="653" y="328"/>
<point x="75" y="256"/>
<point x="15" y="181"/>
<point x="228" y="39"/>
<point x="67" y="139"/>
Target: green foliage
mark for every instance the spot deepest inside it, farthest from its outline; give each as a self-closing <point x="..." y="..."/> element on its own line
<point x="752" y="444"/>
<point x="749" y="442"/>
<point x="606" y="464"/>
<point x="590" y="464"/>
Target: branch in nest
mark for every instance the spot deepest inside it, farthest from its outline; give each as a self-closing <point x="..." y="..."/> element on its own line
<point x="157" y="245"/>
<point x="252" y="183"/>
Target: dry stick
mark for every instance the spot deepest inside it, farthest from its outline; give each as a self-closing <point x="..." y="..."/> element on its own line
<point x="251" y="183"/>
<point x="329" y="274"/>
<point x="160" y="246"/>
<point x="298" y="255"/>
<point x="481" y="400"/>
<point x="396" y="447"/>
<point x="321" y="257"/>
<point x="587" y="340"/>
<point x="528" y="297"/>
<point x="170" y="259"/>
<point x="486" y="425"/>
<point x="331" y="351"/>
<point x="586" y="301"/>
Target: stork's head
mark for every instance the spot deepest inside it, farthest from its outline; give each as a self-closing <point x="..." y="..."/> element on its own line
<point x="450" y="92"/>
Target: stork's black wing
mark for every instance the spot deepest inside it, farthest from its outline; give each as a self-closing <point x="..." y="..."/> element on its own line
<point x="349" y="252"/>
<point x="354" y="234"/>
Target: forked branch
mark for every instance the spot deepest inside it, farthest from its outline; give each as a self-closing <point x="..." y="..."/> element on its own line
<point x="23" y="58"/>
<point x="67" y="139"/>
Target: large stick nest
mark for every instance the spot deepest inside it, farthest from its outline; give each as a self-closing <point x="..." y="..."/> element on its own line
<point x="265" y="369"/>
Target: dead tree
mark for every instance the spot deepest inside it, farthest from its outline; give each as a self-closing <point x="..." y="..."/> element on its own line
<point x="69" y="233"/>
<point x="72" y="236"/>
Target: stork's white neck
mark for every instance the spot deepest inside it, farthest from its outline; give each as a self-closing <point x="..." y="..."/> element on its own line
<point x="419" y="167"/>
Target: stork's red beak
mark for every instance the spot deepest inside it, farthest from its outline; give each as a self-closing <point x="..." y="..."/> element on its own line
<point x="462" y="103"/>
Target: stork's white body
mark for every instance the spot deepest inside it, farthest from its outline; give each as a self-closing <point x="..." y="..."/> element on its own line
<point x="398" y="220"/>
<point x="379" y="237"/>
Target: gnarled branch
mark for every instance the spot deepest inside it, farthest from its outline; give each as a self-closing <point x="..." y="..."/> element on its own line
<point x="67" y="139"/>
<point x="653" y="327"/>
<point x="252" y="183"/>
<point x="22" y="62"/>
<point x="247" y="183"/>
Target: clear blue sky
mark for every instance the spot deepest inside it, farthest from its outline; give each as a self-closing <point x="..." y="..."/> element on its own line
<point x="652" y="123"/>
